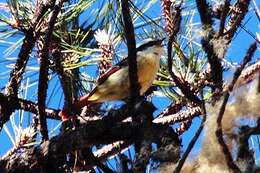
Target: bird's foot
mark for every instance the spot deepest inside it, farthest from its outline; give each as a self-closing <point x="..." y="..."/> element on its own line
<point x="64" y="115"/>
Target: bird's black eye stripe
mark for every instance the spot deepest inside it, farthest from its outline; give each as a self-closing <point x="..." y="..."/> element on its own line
<point x="148" y="44"/>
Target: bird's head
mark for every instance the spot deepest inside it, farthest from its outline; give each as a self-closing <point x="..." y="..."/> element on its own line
<point x="150" y="44"/>
<point x="154" y="46"/>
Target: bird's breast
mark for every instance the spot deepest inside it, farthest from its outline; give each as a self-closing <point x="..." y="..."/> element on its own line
<point x="147" y="69"/>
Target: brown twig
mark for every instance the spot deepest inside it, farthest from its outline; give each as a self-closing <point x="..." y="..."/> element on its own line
<point x="10" y="103"/>
<point x="219" y="132"/>
<point x="179" y="116"/>
<point x="223" y="17"/>
<point x="103" y="167"/>
<point x="23" y="56"/>
<point x="185" y="89"/>
<point x="30" y="106"/>
<point x="111" y="149"/>
<point x="193" y="141"/>
<point x="43" y="74"/>
<point x="132" y="71"/>
<point x="237" y="15"/>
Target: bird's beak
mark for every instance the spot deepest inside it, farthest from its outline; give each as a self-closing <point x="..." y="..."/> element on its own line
<point x="162" y="39"/>
<point x="159" y="42"/>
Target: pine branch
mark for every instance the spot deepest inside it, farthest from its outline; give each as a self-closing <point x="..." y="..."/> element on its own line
<point x="10" y="103"/>
<point x="238" y="13"/>
<point x="44" y="67"/>
<point x="93" y="133"/>
<point x="111" y="150"/>
<point x="179" y="116"/>
<point x="207" y="44"/>
<point x="31" y="36"/>
<point x="223" y="17"/>
<point x="184" y="87"/>
<point x="28" y="43"/>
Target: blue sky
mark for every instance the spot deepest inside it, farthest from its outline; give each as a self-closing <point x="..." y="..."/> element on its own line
<point x="236" y="52"/>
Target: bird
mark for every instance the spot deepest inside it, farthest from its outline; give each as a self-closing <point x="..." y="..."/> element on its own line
<point x="114" y="84"/>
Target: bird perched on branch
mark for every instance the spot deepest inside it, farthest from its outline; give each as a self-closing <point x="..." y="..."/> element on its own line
<point x="114" y="84"/>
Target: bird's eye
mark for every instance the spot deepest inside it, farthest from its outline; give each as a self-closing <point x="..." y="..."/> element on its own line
<point x="156" y="53"/>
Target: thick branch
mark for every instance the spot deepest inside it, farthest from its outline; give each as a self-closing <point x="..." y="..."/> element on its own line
<point x="93" y="133"/>
<point x="219" y="132"/>
<point x="205" y="13"/>
<point x="207" y="44"/>
<point x="131" y="45"/>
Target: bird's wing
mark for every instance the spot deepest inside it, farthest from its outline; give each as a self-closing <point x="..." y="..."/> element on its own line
<point x="112" y="70"/>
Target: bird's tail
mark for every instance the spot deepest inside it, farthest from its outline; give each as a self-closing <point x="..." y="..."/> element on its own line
<point x="83" y="101"/>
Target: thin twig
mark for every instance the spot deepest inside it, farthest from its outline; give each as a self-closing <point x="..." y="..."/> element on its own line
<point x="26" y="105"/>
<point x="257" y="11"/>
<point x="223" y="17"/>
<point x="219" y="132"/>
<point x="193" y="141"/>
<point x="132" y="63"/>
<point x="238" y="13"/>
<point x="43" y="74"/>
<point x="97" y="162"/>
<point x="30" y="106"/>
<point x="183" y="87"/>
